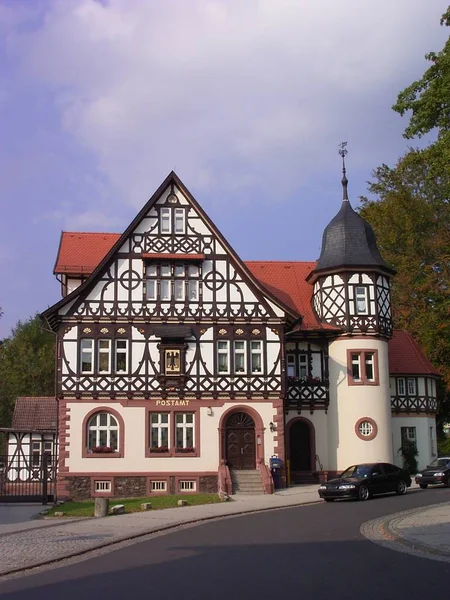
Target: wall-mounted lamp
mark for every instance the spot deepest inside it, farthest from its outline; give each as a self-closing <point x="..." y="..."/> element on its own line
<point x="272" y="427"/>
<point x="210" y="412"/>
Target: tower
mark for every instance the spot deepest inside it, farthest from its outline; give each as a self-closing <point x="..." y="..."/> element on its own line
<point x="352" y="291"/>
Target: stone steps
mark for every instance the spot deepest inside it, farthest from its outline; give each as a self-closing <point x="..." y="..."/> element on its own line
<point x="246" y="482"/>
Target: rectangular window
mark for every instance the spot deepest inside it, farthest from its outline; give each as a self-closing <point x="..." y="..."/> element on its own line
<point x="180" y="224"/>
<point x="193" y="289"/>
<point x="291" y="365"/>
<point x="36" y="454"/>
<point x="222" y="357"/>
<point x="165" y="220"/>
<point x="362" y="367"/>
<point x="411" y="386"/>
<point x="150" y="289"/>
<point x="368" y="364"/>
<point x="184" y="431"/>
<point x="186" y="486"/>
<point x="239" y="357"/>
<point x="159" y="432"/>
<point x="121" y="359"/>
<point x="361" y="300"/>
<point x="179" y="290"/>
<point x="408" y="434"/>
<point x="179" y="271"/>
<point x="87" y="356"/>
<point x="158" y="486"/>
<point x="102" y="486"/>
<point x="104" y="356"/>
<point x="401" y="386"/>
<point x="256" y="356"/>
<point x="48" y="450"/>
<point x="432" y="442"/>
<point x="356" y="367"/>
<point x="302" y="365"/>
<point x="166" y="271"/>
<point x="165" y="289"/>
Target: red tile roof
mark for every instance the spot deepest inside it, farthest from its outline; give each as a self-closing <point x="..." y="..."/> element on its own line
<point x="406" y="357"/>
<point x="38" y="413"/>
<point x="80" y="253"/>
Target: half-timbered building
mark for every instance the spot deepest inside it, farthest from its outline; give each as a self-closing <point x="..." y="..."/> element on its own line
<point x="182" y="368"/>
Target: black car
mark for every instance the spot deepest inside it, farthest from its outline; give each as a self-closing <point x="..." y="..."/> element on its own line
<point x="436" y="473"/>
<point x="366" y="480"/>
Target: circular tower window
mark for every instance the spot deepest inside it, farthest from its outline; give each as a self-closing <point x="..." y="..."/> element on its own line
<point x="366" y="429"/>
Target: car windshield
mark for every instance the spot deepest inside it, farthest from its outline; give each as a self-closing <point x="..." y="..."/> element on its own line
<point x="440" y="462"/>
<point x="357" y="471"/>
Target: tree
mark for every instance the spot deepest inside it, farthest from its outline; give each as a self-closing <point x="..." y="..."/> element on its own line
<point x="412" y="216"/>
<point x="27" y="366"/>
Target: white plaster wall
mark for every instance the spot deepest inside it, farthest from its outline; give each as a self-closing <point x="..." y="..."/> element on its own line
<point x="72" y="284"/>
<point x="348" y="404"/>
<point x="319" y="421"/>
<point x="422" y="425"/>
<point x="135" y="442"/>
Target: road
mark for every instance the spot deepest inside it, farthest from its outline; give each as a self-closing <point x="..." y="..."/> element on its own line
<point x="312" y="552"/>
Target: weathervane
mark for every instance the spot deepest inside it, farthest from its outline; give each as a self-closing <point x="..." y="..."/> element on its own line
<point x="343" y="152"/>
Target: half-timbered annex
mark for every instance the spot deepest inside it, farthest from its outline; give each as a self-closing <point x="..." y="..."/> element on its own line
<point x="183" y="369"/>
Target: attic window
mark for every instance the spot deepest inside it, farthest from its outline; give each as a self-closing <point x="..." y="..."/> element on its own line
<point x="172" y="220"/>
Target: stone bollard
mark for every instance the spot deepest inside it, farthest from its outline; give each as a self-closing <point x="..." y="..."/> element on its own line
<point x="101" y="507"/>
<point x="146" y="506"/>
<point x="59" y="514"/>
<point x="118" y="509"/>
<point x="182" y="502"/>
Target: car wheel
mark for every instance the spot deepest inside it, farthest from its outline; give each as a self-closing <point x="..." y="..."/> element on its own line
<point x="329" y="499"/>
<point x="423" y="485"/>
<point x="363" y="493"/>
<point x="401" y="488"/>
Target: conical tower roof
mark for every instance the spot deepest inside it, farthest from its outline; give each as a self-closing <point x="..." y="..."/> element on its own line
<point x="349" y="240"/>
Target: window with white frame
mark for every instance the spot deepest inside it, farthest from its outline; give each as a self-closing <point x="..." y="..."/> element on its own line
<point x="121" y="358"/>
<point x="297" y="365"/>
<point x="401" y="386"/>
<point x="223" y="362"/>
<point x="256" y="356"/>
<point x="362" y="367"/>
<point x="102" y="486"/>
<point x="104" y="356"/>
<point x="180" y="220"/>
<point x="165" y="220"/>
<point x="103" y="432"/>
<point x="302" y="365"/>
<point x="360" y="300"/>
<point x="184" y="431"/>
<point x="48" y="451"/>
<point x="411" y="382"/>
<point x="159" y="431"/>
<point x="408" y="434"/>
<point x="172" y="282"/>
<point x="158" y="486"/>
<point x="365" y="428"/>
<point x="36" y="453"/>
<point x="290" y="359"/>
<point x="87" y="355"/>
<point x="186" y="485"/>
<point x="239" y="357"/>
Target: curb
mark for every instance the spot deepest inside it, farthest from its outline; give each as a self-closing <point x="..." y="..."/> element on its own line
<point x="126" y="538"/>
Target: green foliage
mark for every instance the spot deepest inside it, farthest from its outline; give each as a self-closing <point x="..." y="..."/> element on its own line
<point x="443" y="446"/>
<point x="27" y="366"/>
<point x="409" y="453"/>
<point x="429" y="98"/>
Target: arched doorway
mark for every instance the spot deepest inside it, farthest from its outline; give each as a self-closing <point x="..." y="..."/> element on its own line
<point x="240" y="447"/>
<point x="300" y="447"/>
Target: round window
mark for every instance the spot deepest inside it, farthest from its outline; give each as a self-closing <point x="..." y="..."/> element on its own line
<point x="366" y="429"/>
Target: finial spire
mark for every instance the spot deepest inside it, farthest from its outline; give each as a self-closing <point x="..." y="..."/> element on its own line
<point x="343" y="152"/>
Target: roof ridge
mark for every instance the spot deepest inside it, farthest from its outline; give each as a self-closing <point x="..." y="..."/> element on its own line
<point x="91" y="233"/>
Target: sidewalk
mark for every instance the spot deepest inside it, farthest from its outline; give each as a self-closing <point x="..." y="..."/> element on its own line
<point x="39" y="542"/>
<point x="421" y="531"/>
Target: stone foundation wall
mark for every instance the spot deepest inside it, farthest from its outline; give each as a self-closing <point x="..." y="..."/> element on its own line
<point x="78" y="488"/>
<point x="208" y="484"/>
<point x="130" y="487"/>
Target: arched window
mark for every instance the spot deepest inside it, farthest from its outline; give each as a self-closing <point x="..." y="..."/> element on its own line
<point x="103" y="433"/>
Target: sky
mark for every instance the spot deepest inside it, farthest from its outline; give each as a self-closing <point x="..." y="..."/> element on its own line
<point x="247" y="100"/>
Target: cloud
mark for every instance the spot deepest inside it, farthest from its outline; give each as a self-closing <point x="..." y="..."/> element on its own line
<point x="234" y="95"/>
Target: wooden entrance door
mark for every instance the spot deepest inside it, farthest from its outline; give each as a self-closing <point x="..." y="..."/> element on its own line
<point x="240" y="442"/>
<point x="300" y="447"/>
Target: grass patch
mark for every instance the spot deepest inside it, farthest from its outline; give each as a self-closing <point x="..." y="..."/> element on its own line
<point x="85" y="508"/>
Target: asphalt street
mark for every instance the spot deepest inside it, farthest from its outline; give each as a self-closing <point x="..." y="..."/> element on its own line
<point x="311" y="551"/>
